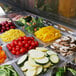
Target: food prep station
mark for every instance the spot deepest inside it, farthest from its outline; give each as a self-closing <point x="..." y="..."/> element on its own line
<point x="31" y="45"/>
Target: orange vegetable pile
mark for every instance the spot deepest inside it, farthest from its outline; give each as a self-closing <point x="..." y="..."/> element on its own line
<point x="2" y="56"/>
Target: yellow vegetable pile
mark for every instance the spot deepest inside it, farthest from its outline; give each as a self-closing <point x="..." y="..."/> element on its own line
<point x="11" y="35"/>
<point x="47" y="34"/>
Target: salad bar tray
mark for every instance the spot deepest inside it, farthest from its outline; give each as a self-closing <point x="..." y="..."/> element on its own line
<point x="31" y="45"/>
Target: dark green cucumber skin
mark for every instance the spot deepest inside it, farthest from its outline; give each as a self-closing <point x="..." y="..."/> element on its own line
<point x="23" y="62"/>
<point x="41" y="63"/>
<point x="52" y="62"/>
<point x="40" y="73"/>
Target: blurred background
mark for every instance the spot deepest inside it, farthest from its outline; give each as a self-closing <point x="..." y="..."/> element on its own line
<point x="63" y="11"/>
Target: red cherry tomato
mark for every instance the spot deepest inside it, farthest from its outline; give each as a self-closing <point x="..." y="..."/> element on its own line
<point x="17" y="46"/>
<point x="25" y="38"/>
<point x="13" y="48"/>
<point x="15" y="42"/>
<point x="30" y="47"/>
<point x="20" y="44"/>
<point x="17" y="49"/>
<point x="12" y="44"/>
<point x="26" y="45"/>
<point x="10" y="48"/>
<point x="24" y="42"/>
<point x="32" y="38"/>
<point x="8" y="45"/>
<point x="21" y="38"/>
<point x="28" y="38"/>
<point x="29" y="42"/>
<point x="22" y="50"/>
<point x="17" y="53"/>
<point x="13" y="52"/>
<point x="36" y="43"/>
<point x="33" y="44"/>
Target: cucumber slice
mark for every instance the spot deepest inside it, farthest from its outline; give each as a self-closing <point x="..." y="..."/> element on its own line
<point x="30" y="51"/>
<point x="47" y="65"/>
<point x="29" y="67"/>
<point x="39" y="70"/>
<point x="31" y="73"/>
<point x="32" y="63"/>
<point x="23" y="68"/>
<point x="51" y="52"/>
<point x="43" y="49"/>
<point x="36" y="54"/>
<point x="42" y="61"/>
<point x="45" y="54"/>
<point x="22" y="59"/>
<point x="54" y="59"/>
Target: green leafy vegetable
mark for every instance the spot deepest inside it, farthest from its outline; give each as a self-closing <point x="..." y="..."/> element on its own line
<point x="19" y="23"/>
<point x="60" y="72"/>
<point x="72" y="71"/>
<point x="31" y="24"/>
<point x="7" y="70"/>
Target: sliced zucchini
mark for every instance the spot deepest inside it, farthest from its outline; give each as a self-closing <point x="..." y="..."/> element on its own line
<point x="31" y="73"/>
<point x="23" y="68"/>
<point x="29" y="67"/>
<point x="32" y="63"/>
<point x="39" y="70"/>
<point x="30" y="51"/>
<point x="37" y="54"/>
<point x="47" y="65"/>
<point x="54" y="59"/>
<point x="42" y="61"/>
<point x="43" y="49"/>
<point x="51" y="52"/>
<point x="45" y="70"/>
<point x="22" y="59"/>
<point x="45" y="54"/>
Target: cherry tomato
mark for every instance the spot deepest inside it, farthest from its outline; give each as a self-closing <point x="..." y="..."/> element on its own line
<point x="13" y="48"/>
<point x="20" y="44"/>
<point x="30" y="47"/>
<point x="17" y="46"/>
<point x="32" y="38"/>
<point x="15" y="42"/>
<point x="13" y="52"/>
<point x="24" y="42"/>
<point x="12" y="44"/>
<point x="26" y="45"/>
<point x="33" y="44"/>
<point x="35" y="29"/>
<point x="17" y="53"/>
<point x="22" y="50"/>
<point x="10" y="48"/>
<point x="36" y="43"/>
<point x="25" y="38"/>
<point x="17" y="49"/>
<point x="28" y="38"/>
<point x="21" y="38"/>
<point x="29" y="42"/>
<point x="8" y="45"/>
